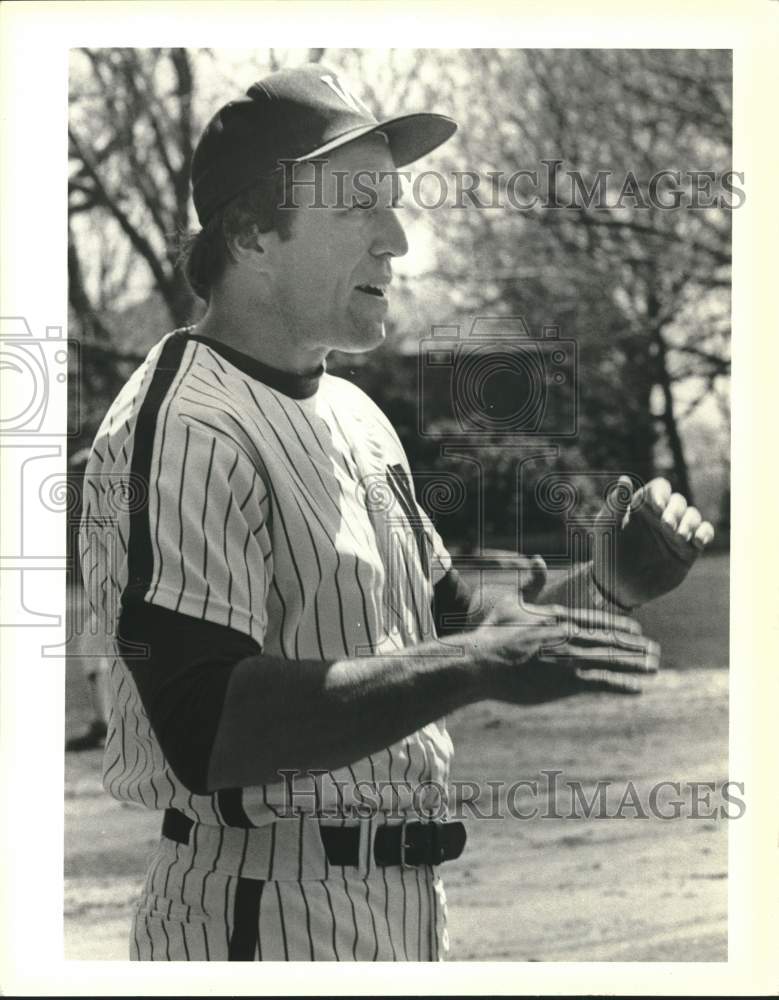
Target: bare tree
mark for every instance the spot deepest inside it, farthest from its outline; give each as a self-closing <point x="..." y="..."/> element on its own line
<point x="646" y="289"/>
<point x="130" y="146"/>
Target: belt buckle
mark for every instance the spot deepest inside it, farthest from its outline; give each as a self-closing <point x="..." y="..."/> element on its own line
<point x="404" y="845"/>
<point x="436" y="848"/>
<point x="438" y="845"/>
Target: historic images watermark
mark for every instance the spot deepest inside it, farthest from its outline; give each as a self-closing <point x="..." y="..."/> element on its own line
<point x="549" y="795"/>
<point x="548" y="186"/>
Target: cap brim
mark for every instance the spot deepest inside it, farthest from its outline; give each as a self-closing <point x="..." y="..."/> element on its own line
<point x="410" y="137"/>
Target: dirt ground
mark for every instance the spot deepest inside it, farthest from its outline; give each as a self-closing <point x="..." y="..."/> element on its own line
<point x="541" y="889"/>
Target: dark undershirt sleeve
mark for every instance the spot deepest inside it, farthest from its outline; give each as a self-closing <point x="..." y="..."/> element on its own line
<point x="182" y="680"/>
<point x="451" y="601"/>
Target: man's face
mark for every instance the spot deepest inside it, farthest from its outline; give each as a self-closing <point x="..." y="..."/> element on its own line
<point x="330" y="279"/>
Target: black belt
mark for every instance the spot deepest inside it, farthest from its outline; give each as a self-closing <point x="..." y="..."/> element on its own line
<point x="418" y="843"/>
<point x="406" y="844"/>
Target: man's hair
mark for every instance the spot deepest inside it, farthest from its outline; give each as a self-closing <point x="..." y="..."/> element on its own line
<point x="204" y="255"/>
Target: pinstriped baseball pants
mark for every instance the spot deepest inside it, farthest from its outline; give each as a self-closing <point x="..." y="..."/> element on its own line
<point x="192" y="909"/>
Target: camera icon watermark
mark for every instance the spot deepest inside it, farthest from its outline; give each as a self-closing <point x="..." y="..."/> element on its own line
<point x="30" y="369"/>
<point x="497" y="380"/>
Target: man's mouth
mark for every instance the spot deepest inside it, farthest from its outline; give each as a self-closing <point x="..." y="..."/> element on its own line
<point x="378" y="290"/>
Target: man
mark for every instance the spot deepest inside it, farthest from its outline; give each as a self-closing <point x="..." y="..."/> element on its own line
<point x="280" y="683"/>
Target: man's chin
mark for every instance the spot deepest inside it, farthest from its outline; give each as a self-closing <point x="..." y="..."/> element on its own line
<point x="364" y="338"/>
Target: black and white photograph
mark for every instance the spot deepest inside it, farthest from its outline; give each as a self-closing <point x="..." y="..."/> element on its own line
<point x="380" y="457"/>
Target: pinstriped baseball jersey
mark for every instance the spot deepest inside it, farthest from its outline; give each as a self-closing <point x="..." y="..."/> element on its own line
<point x="282" y="514"/>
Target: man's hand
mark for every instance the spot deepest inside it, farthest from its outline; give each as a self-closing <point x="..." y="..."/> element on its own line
<point x="646" y="542"/>
<point x="533" y="654"/>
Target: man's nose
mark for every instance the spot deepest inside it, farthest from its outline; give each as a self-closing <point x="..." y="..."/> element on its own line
<point x="391" y="237"/>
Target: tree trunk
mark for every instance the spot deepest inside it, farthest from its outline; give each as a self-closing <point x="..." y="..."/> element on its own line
<point x="641" y="436"/>
<point x="681" y="476"/>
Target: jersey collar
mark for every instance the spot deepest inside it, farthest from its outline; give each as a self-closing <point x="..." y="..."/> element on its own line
<point x="291" y="384"/>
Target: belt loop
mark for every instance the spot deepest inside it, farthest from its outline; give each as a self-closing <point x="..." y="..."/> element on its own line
<point x="176" y="826"/>
<point x="368" y="847"/>
<point x="364" y="850"/>
<point x="403" y="844"/>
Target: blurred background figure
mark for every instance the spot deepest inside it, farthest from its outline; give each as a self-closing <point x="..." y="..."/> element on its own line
<point x="83" y="627"/>
<point x="93" y="736"/>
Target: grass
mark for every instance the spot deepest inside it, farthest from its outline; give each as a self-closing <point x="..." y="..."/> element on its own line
<point x="692" y="624"/>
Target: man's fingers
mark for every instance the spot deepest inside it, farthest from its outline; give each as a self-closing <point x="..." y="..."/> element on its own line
<point x="674" y="510"/>
<point x="553" y="625"/>
<point x="605" y="659"/>
<point x="703" y="535"/>
<point x="627" y="642"/>
<point x="689" y="523"/>
<point x="595" y="683"/>
<point x="590" y="619"/>
<point x="533" y="578"/>
<point x="657" y="493"/>
<point x="618" y="661"/>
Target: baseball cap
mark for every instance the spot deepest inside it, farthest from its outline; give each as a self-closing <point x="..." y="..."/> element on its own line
<point x="296" y="114"/>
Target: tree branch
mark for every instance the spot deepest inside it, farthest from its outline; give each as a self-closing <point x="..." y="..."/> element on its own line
<point x="138" y="241"/>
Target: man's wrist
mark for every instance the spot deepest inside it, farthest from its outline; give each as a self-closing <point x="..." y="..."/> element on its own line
<point x="601" y="598"/>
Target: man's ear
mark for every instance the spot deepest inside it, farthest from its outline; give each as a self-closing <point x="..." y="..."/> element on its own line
<point x="247" y="247"/>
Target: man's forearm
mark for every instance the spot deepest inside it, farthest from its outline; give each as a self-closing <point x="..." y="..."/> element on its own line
<point x="227" y="716"/>
<point x="286" y="714"/>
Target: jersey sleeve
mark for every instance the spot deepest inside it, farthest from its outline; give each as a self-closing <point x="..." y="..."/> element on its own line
<point x="199" y="565"/>
<point x="203" y="547"/>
